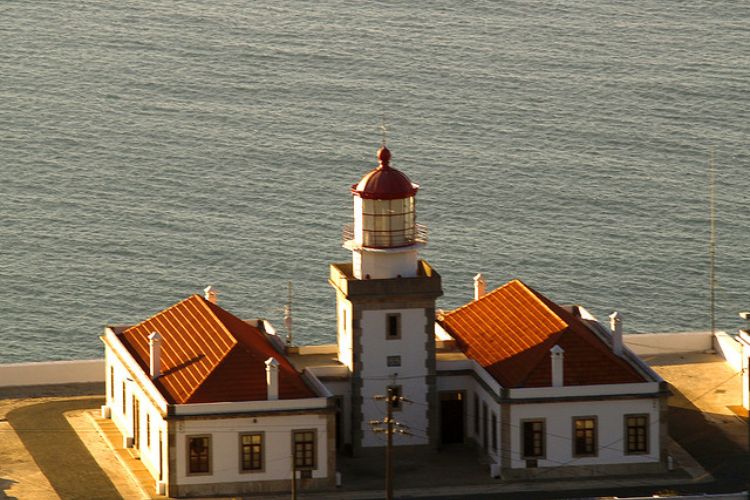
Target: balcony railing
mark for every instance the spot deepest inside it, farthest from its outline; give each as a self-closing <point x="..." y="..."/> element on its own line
<point x="388" y="238"/>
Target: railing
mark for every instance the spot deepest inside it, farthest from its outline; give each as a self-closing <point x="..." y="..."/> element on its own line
<point x="388" y="238"/>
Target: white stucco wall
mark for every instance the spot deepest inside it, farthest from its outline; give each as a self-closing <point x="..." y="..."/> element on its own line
<point x="52" y="372"/>
<point x="377" y="375"/>
<point x="149" y="411"/>
<point x="387" y="264"/>
<point x="610" y="416"/>
<point x="730" y="348"/>
<point x="225" y="447"/>
<point x="646" y="344"/>
<point x="744" y="340"/>
<point x="344" y="328"/>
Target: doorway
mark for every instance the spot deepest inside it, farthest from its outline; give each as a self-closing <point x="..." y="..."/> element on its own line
<point x="451" y="417"/>
<point x="136" y="422"/>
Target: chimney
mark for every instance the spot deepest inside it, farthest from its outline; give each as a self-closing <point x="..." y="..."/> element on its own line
<point x="272" y="379"/>
<point x="480" y="286"/>
<point x="210" y="294"/>
<point x="154" y="353"/>
<point x="615" y="324"/>
<point x="557" y="354"/>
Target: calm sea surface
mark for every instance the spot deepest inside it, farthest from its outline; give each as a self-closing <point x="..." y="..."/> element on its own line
<point x="148" y="149"/>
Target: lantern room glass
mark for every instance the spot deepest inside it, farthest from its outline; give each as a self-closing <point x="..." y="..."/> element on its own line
<point x="388" y="223"/>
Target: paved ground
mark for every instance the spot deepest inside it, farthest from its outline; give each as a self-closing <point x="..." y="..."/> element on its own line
<point x="704" y="416"/>
<point x="57" y="450"/>
<point x="20" y="476"/>
<point x="702" y="419"/>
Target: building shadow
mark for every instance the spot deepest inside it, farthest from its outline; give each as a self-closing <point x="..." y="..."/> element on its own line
<point x="6" y="484"/>
<point x="58" y="451"/>
<point x="718" y="442"/>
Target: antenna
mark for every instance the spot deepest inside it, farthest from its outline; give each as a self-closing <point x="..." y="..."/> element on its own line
<point x="383" y="129"/>
<point x="288" y="315"/>
<point x="712" y="239"/>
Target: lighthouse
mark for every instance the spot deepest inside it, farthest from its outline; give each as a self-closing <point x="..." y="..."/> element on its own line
<point x="385" y="303"/>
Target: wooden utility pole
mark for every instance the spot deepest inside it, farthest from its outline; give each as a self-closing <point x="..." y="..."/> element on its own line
<point x="389" y="446"/>
<point x="294" y="473"/>
<point x="391" y="427"/>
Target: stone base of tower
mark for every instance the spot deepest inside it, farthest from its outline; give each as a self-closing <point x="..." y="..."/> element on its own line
<point x="378" y="357"/>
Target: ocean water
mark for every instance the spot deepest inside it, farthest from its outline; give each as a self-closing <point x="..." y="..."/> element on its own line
<point x="149" y="149"/>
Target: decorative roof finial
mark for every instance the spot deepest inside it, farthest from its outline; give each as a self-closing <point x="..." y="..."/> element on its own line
<point x="384" y="129"/>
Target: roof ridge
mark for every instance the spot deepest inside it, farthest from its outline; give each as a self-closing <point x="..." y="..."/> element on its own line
<point x="459" y="308"/>
<point x="204" y="305"/>
<point x="533" y="292"/>
<point x="173" y="306"/>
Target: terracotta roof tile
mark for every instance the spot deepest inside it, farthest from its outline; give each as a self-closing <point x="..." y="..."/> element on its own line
<point x="510" y="331"/>
<point x="209" y="355"/>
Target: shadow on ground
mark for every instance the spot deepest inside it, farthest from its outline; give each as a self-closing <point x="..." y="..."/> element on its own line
<point x="5" y="484"/>
<point x="708" y="439"/>
<point x="57" y="450"/>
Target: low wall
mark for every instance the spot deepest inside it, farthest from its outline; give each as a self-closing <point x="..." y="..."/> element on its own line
<point x="52" y="372"/>
<point x="730" y="349"/>
<point x="647" y="344"/>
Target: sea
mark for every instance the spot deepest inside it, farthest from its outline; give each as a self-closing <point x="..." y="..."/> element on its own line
<point x="149" y="149"/>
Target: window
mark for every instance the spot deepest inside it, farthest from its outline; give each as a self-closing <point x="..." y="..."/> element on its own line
<point x="394" y="360"/>
<point x="636" y="434"/>
<point x="533" y="438"/>
<point x="493" y="423"/>
<point x="393" y="326"/>
<point x="148" y="430"/>
<point x="584" y="442"/>
<point x="112" y="382"/>
<point x="388" y="223"/>
<point x="124" y="397"/>
<point x="476" y="415"/>
<point x="199" y="454"/>
<point x="304" y="449"/>
<point x="343" y="320"/>
<point x="395" y="392"/>
<point x="484" y="425"/>
<point x="251" y="452"/>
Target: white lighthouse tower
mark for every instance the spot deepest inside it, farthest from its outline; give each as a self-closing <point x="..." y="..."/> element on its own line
<point x="385" y="300"/>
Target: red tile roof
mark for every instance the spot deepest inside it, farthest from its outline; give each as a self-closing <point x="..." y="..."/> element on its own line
<point x="208" y="355"/>
<point x="510" y="331"/>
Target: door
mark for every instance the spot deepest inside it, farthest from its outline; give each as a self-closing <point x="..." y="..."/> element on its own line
<point x="136" y="422"/>
<point x="451" y="417"/>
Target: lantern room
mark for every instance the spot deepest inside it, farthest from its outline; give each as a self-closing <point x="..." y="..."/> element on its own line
<point x="385" y="235"/>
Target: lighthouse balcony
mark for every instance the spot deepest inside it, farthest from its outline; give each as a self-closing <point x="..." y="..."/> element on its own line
<point x="384" y="239"/>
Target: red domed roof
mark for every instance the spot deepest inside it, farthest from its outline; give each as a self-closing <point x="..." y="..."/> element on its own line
<point x="384" y="182"/>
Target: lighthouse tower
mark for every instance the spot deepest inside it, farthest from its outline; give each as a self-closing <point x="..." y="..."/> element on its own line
<point x="385" y="302"/>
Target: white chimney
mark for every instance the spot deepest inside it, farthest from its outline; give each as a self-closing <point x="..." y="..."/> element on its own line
<point x="557" y="354"/>
<point x="615" y="324"/>
<point x="480" y="286"/>
<point x="210" y="294"/>
<point x="154" y="352"/>
<point x="272" y="378"/>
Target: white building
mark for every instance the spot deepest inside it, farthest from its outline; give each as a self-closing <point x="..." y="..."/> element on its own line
<point x="216" y="405"/>
<point x="212" y="406"/>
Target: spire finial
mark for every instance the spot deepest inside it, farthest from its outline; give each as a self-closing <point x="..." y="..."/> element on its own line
<point x="384" y="129"/>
